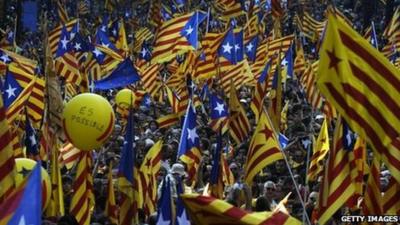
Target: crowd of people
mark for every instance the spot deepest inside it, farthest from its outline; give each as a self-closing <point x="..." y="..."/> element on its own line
<point x="274" y="182"/>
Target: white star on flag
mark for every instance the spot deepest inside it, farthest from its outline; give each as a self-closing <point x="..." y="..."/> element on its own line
<point x="219" y="108"/>
<point x="227" y="47"/>
<point x="237" y="47"/>
<point x="10" y="91"/>
<point x="105" y="45"/>
<point x="103" y="28"/>
<point x="5" y="58"/>
<point x="77" y="46"/>
<point x="192" y="134"/>
<point x="32" y="139"/>
<point x="97" y="52"/>
<point x="22" y="220"/>
<point x="284" y="62"/>
<point x="64" y="43"/>
<point x="249" y="47"/>
<point x="114" y="31"/>
<point x="189" y="30"/>
<point x="144" y="52"/>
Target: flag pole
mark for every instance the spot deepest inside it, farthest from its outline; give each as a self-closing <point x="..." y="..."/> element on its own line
<point x="291" y="173"/>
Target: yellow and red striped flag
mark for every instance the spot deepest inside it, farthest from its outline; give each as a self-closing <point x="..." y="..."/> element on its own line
<point x="363" y="86"/>
<point x="167" y="39"/>
<point x="111" y="209"/>
<point x="228" y="8"/>
<point x="206" y="210"/>
<point x="83" y="199"/>
<point x="69" y="155"/>
<point x="67" y="67"/>
<point x="150" y="167"/>
<point x="54" y="35"/>
<point x="264" y="149"/>
<point x="56" y="204"/>
<point x="308" y="81"/>
<point x="310" y="27"/>
<point x="373" y="201"/>
<point x="167" y="120"/>
<point x="276" y="8"/>
<point x="239" y="126"/>
<point x="391" y="198"/>
<point x="7" y="163"/>
<point x="151" y="79"/>
<point x="337" y="184"/>
<point x="62" y="13"/>
<point x="320" y="149"/>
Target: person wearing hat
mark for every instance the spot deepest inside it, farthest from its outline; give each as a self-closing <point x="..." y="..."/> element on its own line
<point x="176" y="173"/>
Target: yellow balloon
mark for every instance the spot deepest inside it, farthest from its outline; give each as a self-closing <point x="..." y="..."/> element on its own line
<point x="125" y="98"/>
<point x="24" y="167"/>
<point x="88" y="120"/>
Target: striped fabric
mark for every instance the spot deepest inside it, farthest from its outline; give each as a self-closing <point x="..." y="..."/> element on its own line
<point x="150" y="168"/>
<point x="261" y="59"/>
<point x="235" y="74"/>
<point x="276" y="8"/>
<point x="205" y="67"/>
<point x="300" y="61"/>
<point x="69" y="155"/>
<point x="320" y="150"/>
<point x="34" y="87"/>
<point x="337" y="185"/>
<point x="111" y="210"/>
<point x="62" y="13"/>
<point x="391" y="198"/>
<point x="228" y="8"/>
<point x="263" y="150"/>
<point x="7" y="163"/>
<point x="67" y="67"/>
<point x="54" y="35"/>
<point x="56" y="204"/>
<point x="308" y="81"/>
<point x="251" y="28"/>
<point x="206" y="210"/>
<point x="151" y="79"/>
<point x="373" y="202"/>
<point x="83" y="199"/>
<point x="143" y="34"/>
<point x="167" y="120"/>
<point x="168" y="38"/>
<point x="310" y="27"/>
<point x="363" y="86"/>
<point x="392" y="34"/>
<point x="239" y="126"/>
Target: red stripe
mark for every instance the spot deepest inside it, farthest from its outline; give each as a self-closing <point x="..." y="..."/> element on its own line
<point x="373" y="111"/>
<point x="266" y="153"/>
<point x="373" y="136"/>
<point x="373" y="86"/>
<point x="370" y="59"/>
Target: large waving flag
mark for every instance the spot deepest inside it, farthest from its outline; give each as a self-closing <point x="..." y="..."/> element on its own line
<point x="337" y="186"/>
<point x="176" y="36"/>
<point x="189" y="146"/>
<point x="123" y="75"/>
<point x="7" y="162"/>
<point x="363" y="86"/>
<point x="23" y="205"/>
<point x="264" y="149"/>
<point x="206" y="210"/>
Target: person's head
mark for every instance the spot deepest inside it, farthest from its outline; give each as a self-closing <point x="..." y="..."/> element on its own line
<point x="313" y="197"/>
<point x="262" y="204"/>
<point x="153" y="125"/>
<point x="178" y="171"/>
<point x="269" y="189"/>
